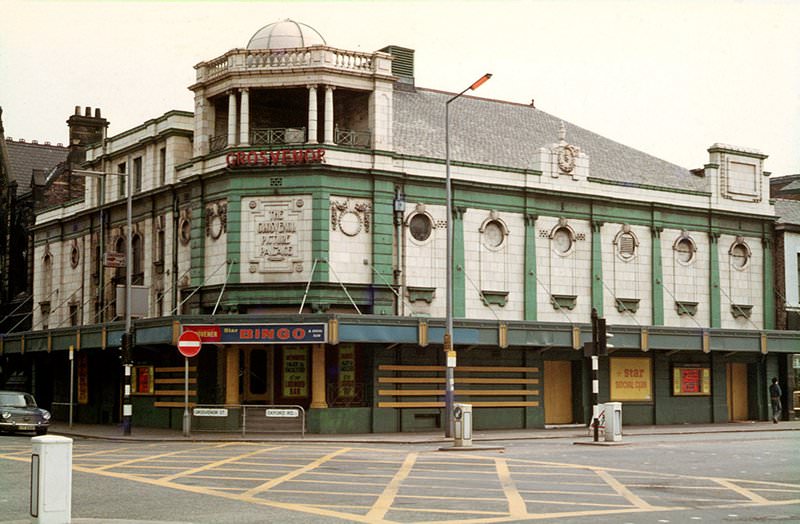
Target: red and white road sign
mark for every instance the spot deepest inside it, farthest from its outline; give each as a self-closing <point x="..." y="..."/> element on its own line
<point x="189" y="343"/>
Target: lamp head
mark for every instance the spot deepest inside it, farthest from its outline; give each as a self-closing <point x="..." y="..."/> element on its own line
<point x="479" y="82"/>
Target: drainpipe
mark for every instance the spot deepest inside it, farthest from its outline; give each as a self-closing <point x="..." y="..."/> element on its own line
<point x="175" y="211"/>
<point x="399" y="212"/>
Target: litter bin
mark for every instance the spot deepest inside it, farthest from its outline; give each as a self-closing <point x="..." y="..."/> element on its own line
<point x="462" y="425"/>
<point x="613" y="415"/>
<point x="51" y="479"/>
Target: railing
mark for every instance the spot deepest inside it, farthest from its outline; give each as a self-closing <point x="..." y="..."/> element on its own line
<point x="248" y="418"/>
<point x="294" y="58"/>
<point x="217" y="142"/>
<point x="350" y="137"/>
<point x="277" y="135"/>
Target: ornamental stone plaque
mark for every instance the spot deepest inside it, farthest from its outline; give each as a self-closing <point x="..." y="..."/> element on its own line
<point x="276" y="238"/>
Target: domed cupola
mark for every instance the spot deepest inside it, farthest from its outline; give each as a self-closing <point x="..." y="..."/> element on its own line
<point x="285" y="34"/>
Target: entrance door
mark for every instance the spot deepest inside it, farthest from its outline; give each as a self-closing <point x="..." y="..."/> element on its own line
<point x="557" y="392"/>
<point x="737" y="391"/>
<point x="255" y="386"/>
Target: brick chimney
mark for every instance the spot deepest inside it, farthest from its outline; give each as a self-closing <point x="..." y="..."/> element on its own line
<point x="84" y="130"/>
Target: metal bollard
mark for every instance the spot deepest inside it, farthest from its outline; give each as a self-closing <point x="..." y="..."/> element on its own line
<point x="51" y="479"/>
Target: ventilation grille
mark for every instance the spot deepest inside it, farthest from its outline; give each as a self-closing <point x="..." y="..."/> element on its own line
<point x="276" y="182"/>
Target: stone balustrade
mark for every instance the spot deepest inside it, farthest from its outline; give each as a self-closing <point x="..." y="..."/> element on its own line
<point x="240" y="60"/>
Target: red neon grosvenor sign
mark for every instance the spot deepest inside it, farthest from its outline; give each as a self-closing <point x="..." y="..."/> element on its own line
<point x="278" y="157"/>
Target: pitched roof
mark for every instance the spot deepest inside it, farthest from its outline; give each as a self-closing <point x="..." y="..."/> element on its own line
<point x="510" y="135"/>
<point x="787" y="211"/>
<point x="26" y="157"/>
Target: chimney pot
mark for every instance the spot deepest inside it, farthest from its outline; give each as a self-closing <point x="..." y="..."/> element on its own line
<point x="97" y="112"/>
<point x="47" y="143"/>
<point x="78" y="110"/>
<point x="34" y="141"/>
<point x="88" y="111"/>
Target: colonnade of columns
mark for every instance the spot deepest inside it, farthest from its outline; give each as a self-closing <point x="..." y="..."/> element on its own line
<point x="239" y="116"/>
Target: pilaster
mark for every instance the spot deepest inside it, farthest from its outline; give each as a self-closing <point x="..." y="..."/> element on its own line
<point x="714" y="292"/>
<point x="244" y="118"/>
<point x="769" y="285"/>
<point x="597" y="267"/>
<point x="657" y="272"/>
<point x="531" y="312"/>
<point x="459" y="278"/>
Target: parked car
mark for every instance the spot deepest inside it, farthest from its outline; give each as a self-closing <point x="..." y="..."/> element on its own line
<point x="18" y="412"/>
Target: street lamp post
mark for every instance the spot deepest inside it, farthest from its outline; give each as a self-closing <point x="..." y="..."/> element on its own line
<point x="450" y="354"/>
<point x="127" y="342"/>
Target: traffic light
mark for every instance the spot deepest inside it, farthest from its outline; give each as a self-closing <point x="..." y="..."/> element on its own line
<point x="602" y="338"/>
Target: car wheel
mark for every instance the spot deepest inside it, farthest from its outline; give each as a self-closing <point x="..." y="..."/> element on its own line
<point x="41" y="431"/>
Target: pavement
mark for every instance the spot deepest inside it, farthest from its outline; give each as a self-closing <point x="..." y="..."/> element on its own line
<point x="574" y="432"/>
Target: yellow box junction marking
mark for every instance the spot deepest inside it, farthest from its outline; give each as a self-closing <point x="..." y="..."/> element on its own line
<point x="274" y="482"/>
<point x="386" y="498"/>
<point x="516" y="504"/>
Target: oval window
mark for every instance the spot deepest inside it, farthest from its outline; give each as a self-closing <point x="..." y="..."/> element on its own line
<point x="627" y="246"/>
<point x="739" y="256"/>
<point x="684" y="250"/>
<point x="493" y="234"/>
<point x="562" y="241"/>
<point x="421" y="227"/>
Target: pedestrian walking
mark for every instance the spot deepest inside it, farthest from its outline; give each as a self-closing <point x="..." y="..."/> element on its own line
<point x="775" y="397"/>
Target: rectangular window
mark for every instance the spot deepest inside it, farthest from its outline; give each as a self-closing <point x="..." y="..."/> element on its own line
<point x="73" y="314"/>
<point x="162" y="166"/>
<point x="142" y="380"/>
<point x="137" y="174"/>
<point x="121" y="180"/>
<point x="691" y="380"/>
<point x="631" y="379"/>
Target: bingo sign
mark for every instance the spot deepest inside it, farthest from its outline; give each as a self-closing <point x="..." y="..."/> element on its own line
<point x="261" y="333"/>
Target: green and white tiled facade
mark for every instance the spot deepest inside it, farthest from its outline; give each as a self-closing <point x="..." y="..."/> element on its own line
<point x="550" y="221"/>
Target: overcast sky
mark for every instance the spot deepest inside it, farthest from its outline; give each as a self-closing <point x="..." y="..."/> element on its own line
<point x="667" y="77"/>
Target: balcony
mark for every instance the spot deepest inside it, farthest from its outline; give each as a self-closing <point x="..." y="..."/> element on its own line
<point x="280" y="60"/>
<point x="277" y="135"/>
<point x="268" y="136"/>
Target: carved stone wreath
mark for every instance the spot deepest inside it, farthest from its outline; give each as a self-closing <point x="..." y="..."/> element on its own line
<point x="216" y="219"/>
<point x="349" y="217"/>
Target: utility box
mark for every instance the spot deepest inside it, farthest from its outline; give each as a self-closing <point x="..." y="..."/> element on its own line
<point x="462" y="425"/>
<point x="51" y="479"/>
<point x="613" y="416"/>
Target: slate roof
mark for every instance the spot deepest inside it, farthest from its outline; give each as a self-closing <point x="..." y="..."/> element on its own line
<point x="509" y="135"/>
<point x="25" y="157"/>
<point x="787" y="211"/>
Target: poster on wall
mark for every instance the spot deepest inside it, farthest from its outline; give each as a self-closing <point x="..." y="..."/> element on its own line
<point x="295" y="372"/>
<point x="142" y="380"/>
<point x="82" y="362"/>
<point x="691" y="381"/>
<point x="631" y="379"/>
<point x="346" y="387"/>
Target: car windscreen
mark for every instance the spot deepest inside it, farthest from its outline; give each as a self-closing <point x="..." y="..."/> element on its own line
<point x="15" y="400"/>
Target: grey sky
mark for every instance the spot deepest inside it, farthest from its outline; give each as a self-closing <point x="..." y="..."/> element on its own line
<point x="666" y="77"/>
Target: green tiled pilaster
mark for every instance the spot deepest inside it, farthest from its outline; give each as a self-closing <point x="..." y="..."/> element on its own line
<point x="714" y="293"/>
<point x="530" y="268"/>
<point x="320" y="223"/>
<point x="382" y="242"/>
<point x="769" y="286"/>
<point x="234" y="236"/>
<point x="459" y="279"/>
<point x="658" y="277"/>
<point x="597" y="267"/>
<point x="198" y="242"/>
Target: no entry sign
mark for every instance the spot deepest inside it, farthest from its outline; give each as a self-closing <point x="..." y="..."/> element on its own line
<point x="189" y="343"/>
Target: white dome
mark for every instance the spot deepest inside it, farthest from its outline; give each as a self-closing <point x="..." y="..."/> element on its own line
<point x="285" y="34"/>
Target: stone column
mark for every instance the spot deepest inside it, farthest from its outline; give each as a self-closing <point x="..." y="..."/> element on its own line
<point x="318" y="377"/>
<point x="312" y="115"/>
<point x="328" y="131"/>
<point x="231" y="375"/>
<point x="232" y="118"/>
<point x="244" y="118"/>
